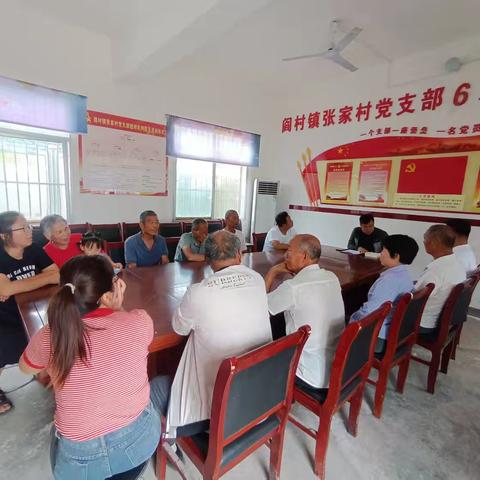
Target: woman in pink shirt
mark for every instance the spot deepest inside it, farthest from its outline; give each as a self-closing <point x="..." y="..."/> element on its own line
<point x="96" y="356"/>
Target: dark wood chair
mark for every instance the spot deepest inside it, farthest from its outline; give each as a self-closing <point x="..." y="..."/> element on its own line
<point x="116" y="251"/>
<point x="111" y="232"/>
<point x="186" y="227"/>
<point x="250" y="405"/>
<point x="475" y="274"/>
<point x="402" y="335"/>
<point x="129" y="229"/>
<point x="133" y="474"/>
<point x="440" y="342"/>
<point x="172" y="229"/>
<point x="348" y="375"/>
<point x="172" y="243"/>
<point x="38" y="237"/>
<point x="258" y="240"/>
<point x="214" y="225"/>
<point x="79" y="227"/>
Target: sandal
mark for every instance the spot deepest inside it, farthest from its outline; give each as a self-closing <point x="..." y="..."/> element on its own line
<point x="4" y="400"/>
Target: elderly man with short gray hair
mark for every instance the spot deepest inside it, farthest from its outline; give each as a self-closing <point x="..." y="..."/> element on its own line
<point x="312" y="297"/>
<point x="224" y="315"/>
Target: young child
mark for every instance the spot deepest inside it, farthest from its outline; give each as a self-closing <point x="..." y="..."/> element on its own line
<point x="91" y="244"/>
<point x="398" y="251"/>
<point x="96" y="357"/>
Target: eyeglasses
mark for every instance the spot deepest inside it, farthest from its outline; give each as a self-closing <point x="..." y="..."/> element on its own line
<point x="26" y="228"/>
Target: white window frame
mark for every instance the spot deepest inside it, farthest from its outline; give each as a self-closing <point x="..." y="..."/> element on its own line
<point x="243" y="182"/>
<point x="30" y="133"/>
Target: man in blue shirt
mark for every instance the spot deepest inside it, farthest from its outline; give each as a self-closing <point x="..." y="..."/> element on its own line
<point x="147" y="247"/>
<point x="398" y="251"/>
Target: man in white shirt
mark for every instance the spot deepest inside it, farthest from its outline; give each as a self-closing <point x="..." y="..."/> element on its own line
<point x="462" y="250"/>
<point x="279" y="237"/>
<point x="312" y="297"/>
<point x="232" y="220"/>
<point x="444" y="272"/>
<point x="224" y="315"/>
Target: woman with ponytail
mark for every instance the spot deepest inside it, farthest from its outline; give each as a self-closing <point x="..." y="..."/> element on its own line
<point x="96" y="356"/>
<point x="23" y="267"/>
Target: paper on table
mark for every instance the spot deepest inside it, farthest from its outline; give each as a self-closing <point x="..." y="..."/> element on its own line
<point x="351" y="252"/>
<point x="372" y="255"/>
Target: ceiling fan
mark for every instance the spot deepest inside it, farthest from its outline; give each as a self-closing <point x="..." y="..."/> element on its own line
<point x="333" y="53"/>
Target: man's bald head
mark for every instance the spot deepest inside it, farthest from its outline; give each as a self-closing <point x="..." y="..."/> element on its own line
<point x="310" y="245"/>
<point x="223" y="247"/>
<point x="439" y="240"/>
<point x="304" y="250"/>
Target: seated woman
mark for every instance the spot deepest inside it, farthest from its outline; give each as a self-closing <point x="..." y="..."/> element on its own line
<point x="23" y="267"/>
<point x="91" y="244"/>
<point x="63" y="244"/>
<point x="96" y="357"/>
<point x="398" y="251"/>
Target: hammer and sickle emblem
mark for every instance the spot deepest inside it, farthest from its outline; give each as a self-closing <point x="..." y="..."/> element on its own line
<point x="410" y="168"/>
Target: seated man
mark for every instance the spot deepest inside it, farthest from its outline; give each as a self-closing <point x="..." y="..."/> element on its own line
<point x="314" y="297"/>
<point x="278" y="237"/>
<point x="232" y="221"/>
<point x="398" y="251"/>
<point x="147" y="247"/>
<point x="444" y="272"/>
<point x="191" y="246"/>
<point x="366" y="237"/>
<point x="462" y="250"/>
<point x="224" y="315"/>
<point x="62" y="245"/>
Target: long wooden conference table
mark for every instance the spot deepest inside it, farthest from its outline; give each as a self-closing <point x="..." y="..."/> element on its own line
<point x="160" y="289"/>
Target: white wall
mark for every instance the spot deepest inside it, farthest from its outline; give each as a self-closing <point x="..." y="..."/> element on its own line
<point x="51" y="53"/>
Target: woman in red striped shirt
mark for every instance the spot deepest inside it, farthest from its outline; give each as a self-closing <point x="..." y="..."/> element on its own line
<point x="96" y="356"/>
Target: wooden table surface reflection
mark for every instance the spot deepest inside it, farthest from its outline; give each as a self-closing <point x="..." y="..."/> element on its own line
<point x="160" y="289"/>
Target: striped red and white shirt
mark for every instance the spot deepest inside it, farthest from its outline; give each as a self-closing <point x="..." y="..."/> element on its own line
<point x="111" y="390"/>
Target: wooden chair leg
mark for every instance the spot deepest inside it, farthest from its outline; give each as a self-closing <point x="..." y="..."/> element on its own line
<point x="321" y="445"/>
<point x="355" y="405"/>
<point x="447" y="353"/>
<point x="276" y="450"/>
<point x="161" y="467"/>
<point x="456" y="342"/>
<point x="380" y="390"/>
<point x="402" y="375"/>
<point x="433" y="372"/>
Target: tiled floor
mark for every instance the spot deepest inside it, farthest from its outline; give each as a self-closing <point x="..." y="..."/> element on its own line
<point x="420" y="436"/>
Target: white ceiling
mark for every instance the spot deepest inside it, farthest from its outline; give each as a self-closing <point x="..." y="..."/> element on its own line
<point x="247" y="38"/>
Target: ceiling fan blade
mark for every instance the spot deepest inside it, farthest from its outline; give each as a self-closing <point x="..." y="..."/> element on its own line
<point x="301" y="57"/>
<point x="349" y="37"/>
<point x="343" y="62"/>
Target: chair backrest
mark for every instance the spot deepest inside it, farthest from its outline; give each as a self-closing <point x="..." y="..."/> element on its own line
<point x="460" y="310"/>
<point x="214" y="225"/>
<point x="252" y="388"/>
<point x="172" y="243"/>
<point x="111" y="232"/>
<point x="79" y="227"/>
<point x="129" y="229"/>
<point x="38" y="236"/>
<point x="116" y="251"/>
<point x="354" y="354"/>
<point x="172" y="229"/>
<point x="258" y="240"/>
<point x="186" y="227"/>
<point x="406" y="320"/>
<point x="454" y="311"/>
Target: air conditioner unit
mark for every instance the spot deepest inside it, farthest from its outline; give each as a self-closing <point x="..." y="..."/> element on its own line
<point x="264" y="205"/>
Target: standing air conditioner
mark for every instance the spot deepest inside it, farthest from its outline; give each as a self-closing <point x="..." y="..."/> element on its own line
<point x="264" y="205"/>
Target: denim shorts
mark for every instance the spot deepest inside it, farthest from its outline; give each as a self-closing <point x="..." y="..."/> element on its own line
<point x="109" y="454"/>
